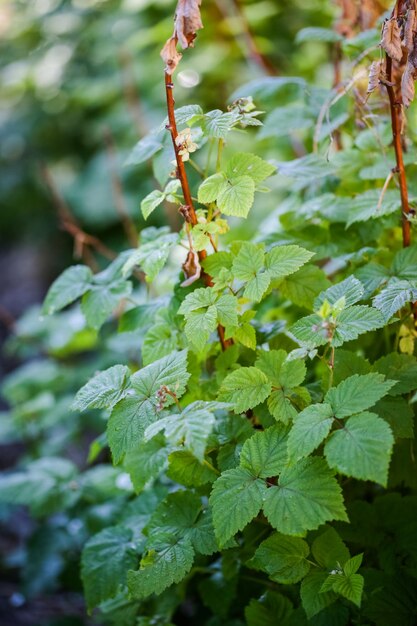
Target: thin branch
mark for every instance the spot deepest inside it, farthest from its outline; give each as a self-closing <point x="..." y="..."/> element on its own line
<point x="117" y="189"/>
<point x="395" y="109"/>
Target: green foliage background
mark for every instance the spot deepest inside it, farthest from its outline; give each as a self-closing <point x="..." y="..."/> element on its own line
<point x="135" y="429"/>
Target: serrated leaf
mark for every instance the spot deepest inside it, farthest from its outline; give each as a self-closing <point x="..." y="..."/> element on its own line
<point x="399" y="367"/>
<point x="167" y="561"/>
<point x="271" y="609"/>
<point x="160" y="340"/>
<point x="236" y="196"/>
<point x="357" y="393"/>
<point x="312" y="600"/>
<point x="303" y="286"/>
<point x="310" y="428"/>
<point x="394" y="296"/>
<point x="282" y="558"/>
<point x="211" y="187"/>
<point x="245" y="388"/>
<point x="246" y="164"/>
<point x="146" y="461"/>
<point x="192" y="426"/>
<point x="144" y="150"/>
<point x="218" y="124"/>
<point x="350" y="587"/>
<point x="103" y="390"/>
<point x="405" y="263"/>
<point x="351" y="289"/>
<point x="129" y="419"/>
<point x="68" y="287"/>
<point x="100" y="301"/>
<point x="355" y="321"/>
<point x="153" y="251"/>
<point x="306" y="496"/>
<point x="265" y="453"/>
<point x="185" y="469"/>
<point x="361" y="449"/>
<point x="282" y="261"/>
<point x="236" y="499"/>
<point x="111" y="546"/>
<point x="199" y="325"/>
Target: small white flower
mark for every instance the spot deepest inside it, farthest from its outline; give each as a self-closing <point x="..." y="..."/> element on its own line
<point x="185" y="144"/>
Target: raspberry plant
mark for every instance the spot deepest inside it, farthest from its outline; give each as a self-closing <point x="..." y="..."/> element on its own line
<point x="259" y="412"/>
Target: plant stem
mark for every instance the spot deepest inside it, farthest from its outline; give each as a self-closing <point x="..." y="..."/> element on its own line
<point x="395" y="109"/>
<point x="219" y="155"/>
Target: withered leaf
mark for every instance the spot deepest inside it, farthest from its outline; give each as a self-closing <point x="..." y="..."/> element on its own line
<point x="409" y="29"/>
<point x="391" y="40"/>
<point x="375" y="74"/>
<point x="187" y="21"/>
<point x="192" y="268"/>
<point x="407" y="84"/>
<point x="170" y="55"/>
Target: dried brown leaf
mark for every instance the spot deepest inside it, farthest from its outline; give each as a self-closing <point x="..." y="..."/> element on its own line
<point x="391" y="40"/>
<point x="187" y="21"/>
<point x="409" y="30"/>
<point x="192" y="268"/>
<point x="375" y="74"/>
<point x="407" y="84"/>
<point x="170" y="55"/>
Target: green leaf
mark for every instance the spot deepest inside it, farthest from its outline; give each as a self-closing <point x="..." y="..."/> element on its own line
<point x="357" y="393"/>
<point x="111" y="546"/>
<point x="246" y="164"/>
<point x="168" y="560"/>
<point x="151" y="202"/>
<point x="153" y="251"/>
<point x="199" y="325"/>
<point x="405" y="262"/>
<point x="249" y="267"/>
<point x="306" y="169"/>
<point x="303" y="286"/>
<point x="352" y="565"/>
<point x="282" y="558"/>
<point x="192" y="426"/>
<point x="245" y="388"/>
<point x="351" y="289"/>
<point x="362" y="449"/>
<point x="130" y="418"/>
<point x="399" y="367"/>
<point x="355" y="321"/>
<point x="71" y="285"/>
<point x="160" y="340"/>
<point x="329" y="550"/>
<point x="282" y="261"/>
<point x="350" y="587"/>
<point x="310" y="428"/>
<point x="392" y="298"/>
<point x="100" y="302"/>
<point x="226" y="307"/>
<point x="218" y="124"/>
<point x="236" y="499"/>
<point x="312" y="599"/>
<point x="211" y="187"/>
<point x="285" y="120"/>
<point x="146" y="461"/>
<point x="185" y="469"/>
<point x="270" y="610"/>
<point x="103" y="390"/>
<point x="144" y="150"/>
<point x="236" y="196"/>
<point x="265" y="453"/>
<point x="312" y="33"/>
<point x="306" y="496"/>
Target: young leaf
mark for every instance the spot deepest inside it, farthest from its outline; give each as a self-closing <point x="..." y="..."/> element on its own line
<point x="282" y="558"/>
<point x="312" y="598"/>
<point x="394" y="296"/>
<point x="361" y="449"/>
<point x="246" y="164"/>
<point x="305" y="496"/>
<point x="245" y="388"/>
<point x="357" y="393"/>
<point x="71" y="285"/>
<point x="351" y="289"/>
<point x="110" y="546"/>
<point x="103" y="390"/>
<point x="211" y="187"/>
<point x="329" y="550"/>
<point x="236" y="196"/>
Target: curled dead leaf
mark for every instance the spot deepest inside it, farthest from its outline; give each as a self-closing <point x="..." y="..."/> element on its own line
<point x="192" y="268"/>
<point x="170" y="55"/>
<point x="391" y="39"/>
<point x="409" y="30"/>
<point x="375" y="74"/>
<point x="187" y="21"/>
<point x="407" y="84"/>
